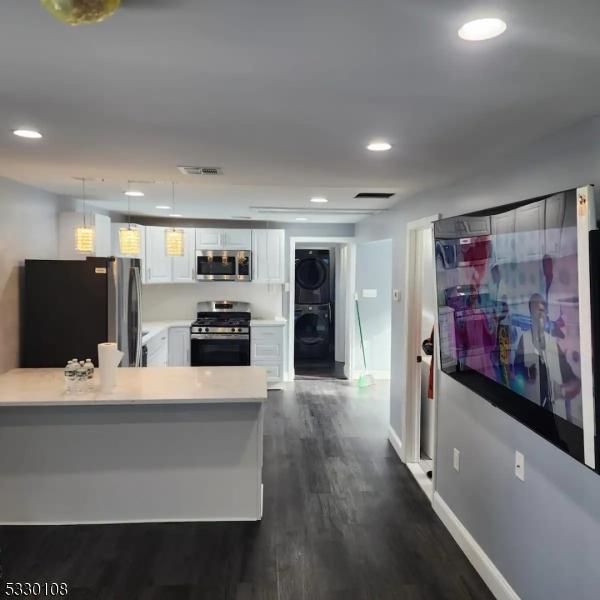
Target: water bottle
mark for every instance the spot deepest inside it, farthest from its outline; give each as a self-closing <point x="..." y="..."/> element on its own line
<point x="70" y="373"/>
<point x="89" y="366"/>
<point x="81" y="377"/>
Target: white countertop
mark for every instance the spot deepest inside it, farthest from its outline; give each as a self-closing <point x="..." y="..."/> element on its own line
<point x="151" y="385"/>
<point x="277" y="322"/>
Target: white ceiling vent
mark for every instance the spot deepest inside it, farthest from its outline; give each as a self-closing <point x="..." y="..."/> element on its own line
<point x="209" y="171"/>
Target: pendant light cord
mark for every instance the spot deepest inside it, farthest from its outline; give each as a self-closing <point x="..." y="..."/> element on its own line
<point x="83" y="198"/>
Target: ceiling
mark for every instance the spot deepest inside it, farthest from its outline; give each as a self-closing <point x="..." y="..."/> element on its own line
<point x="283" y="96"/>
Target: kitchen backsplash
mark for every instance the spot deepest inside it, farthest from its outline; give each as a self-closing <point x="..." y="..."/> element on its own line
<point x="178" y="301"/>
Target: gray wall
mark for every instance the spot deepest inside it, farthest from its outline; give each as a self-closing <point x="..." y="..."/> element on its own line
<point x="28" y="229"/>
<point x="543" y="534"/>
<point x="373" y="267"/>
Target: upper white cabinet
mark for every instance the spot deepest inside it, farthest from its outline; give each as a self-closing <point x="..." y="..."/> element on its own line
<point x="268" y="255"/>
<point x="161" y="268"/>
<point x="184" y="267"/>
<point x="69" y="221"/>
<point x="223" y="239"/>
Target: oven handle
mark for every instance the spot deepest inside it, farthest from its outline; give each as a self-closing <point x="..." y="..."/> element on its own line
<point x="220" y="336"/>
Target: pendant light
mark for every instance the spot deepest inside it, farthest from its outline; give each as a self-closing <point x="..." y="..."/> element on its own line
<point x="84" y="234"/>
<point x="78" y="12"/>
<point x="173" y="236"/>
<point x="130" y="239"/>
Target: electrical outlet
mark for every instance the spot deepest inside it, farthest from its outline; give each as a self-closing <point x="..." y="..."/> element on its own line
<point x="519" y="466"/>
<point x="396" y="294"/>
<point x="456" y="460"/>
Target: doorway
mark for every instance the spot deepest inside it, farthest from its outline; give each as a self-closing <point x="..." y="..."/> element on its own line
<point x="315" y="314"/>
<point x="419" y="351"/>
<point x="321" y="332"/>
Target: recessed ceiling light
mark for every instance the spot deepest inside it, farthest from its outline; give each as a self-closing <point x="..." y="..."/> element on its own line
<point x="379" y="146"/>
<point x="301" y="219"/>
<point x="30" y="134"/>
<point x="134" y="193"/>
<point x="319" y="200"/>
<point x="482" y="29"/>
<point x="162" y="207"/>
<point x="175" y="215"/>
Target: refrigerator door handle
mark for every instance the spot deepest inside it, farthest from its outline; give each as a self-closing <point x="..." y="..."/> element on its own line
<point x="138" y="350"/>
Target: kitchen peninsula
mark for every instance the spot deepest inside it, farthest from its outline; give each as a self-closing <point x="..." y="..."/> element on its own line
<point x="169" y="444"/>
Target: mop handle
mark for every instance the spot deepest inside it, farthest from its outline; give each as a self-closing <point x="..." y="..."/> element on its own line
<point x="362" y="343"/>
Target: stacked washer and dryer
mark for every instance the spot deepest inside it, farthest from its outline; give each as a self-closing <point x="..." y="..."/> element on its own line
<point x="314" y="309"/>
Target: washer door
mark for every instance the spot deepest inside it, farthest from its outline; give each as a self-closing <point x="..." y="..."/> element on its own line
<point x="312" y="329"/>
<point x="311" y="273"/>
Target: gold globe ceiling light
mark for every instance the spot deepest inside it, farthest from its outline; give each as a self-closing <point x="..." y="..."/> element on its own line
<point x="81" y="12"/>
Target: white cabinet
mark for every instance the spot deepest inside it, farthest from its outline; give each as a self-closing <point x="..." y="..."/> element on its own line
<point x="159" y="267"/>
<point x="267" y="352"/>
<point x="184" y="267"/>
<point x="179" y="347"/>
<point x="223" y="239"/>
<point x="69" y="221"/>
<point x="158" y="350"/>
<point x="268" y="256"/>
<point x="529" y="225"/>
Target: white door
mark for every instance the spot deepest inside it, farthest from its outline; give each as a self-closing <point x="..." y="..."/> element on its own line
<point x="158" y="264"/>
<point x="208" y="239"/>
<point x="184" y="267"/>
<point x="236" y="239"/>
<point x="179" y="347"/>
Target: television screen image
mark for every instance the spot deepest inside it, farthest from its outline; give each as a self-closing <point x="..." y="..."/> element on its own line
<point x="507" y="284"/>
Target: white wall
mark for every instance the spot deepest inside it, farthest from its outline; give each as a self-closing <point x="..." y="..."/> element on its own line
<point x="373" y="268"/>
<point x="178" y="301"/>
<point x="28" y="229"/>
<point x="543" y="534"/>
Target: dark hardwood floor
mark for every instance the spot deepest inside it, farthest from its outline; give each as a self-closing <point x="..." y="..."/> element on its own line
<point x="343" y="519"/>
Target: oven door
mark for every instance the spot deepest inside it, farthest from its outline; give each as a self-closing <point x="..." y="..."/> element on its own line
<point x="220" y="350"/>
<point x="214" y="265"/>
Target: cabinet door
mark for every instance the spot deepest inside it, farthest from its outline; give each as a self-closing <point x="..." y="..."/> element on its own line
<point x="158" y="264"/>
<point x="268" y="260"/>
<point x="208" y="239"/>
<point x="184" y="267"/>
<point x="236" y="239"/>
<point x="158" y="350"/>
<point x="529" y="224"/>
<point x="179" y="347"/>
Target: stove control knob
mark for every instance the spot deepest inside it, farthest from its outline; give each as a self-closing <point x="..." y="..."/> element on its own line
<point x="233" y="329"/>
<point x="206" y="329"/>
<point x="239" y="330"/>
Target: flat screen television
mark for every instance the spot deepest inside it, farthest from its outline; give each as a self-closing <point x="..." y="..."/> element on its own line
<point x="508" y="296"/>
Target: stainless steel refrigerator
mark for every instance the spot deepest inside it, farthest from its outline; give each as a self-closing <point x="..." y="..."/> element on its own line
<point x="70" y="306"/>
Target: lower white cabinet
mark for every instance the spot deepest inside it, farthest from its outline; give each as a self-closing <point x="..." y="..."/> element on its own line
<point x="158" y="349"/>
<point x="179" y="347"/>
<point x="267" y="352"/>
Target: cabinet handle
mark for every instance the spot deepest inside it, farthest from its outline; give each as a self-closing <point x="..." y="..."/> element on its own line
<point x="149" y="273"/>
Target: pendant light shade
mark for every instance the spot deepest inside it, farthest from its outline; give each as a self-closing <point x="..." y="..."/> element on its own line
<point x="85" y="235"/>
<point x="80" y="12"/>
<point x="174" y="242"/>
<point x="173" y="236"/>
<point x="84" y="239"/>
<point x="130" y="241"/>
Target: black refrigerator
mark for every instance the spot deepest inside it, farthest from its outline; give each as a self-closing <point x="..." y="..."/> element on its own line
<point x="70" y="306"/>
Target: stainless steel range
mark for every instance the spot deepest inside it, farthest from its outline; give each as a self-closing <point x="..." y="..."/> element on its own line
<point x="221" y="334"/>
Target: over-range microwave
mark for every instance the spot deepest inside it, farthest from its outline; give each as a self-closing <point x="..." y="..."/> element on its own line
<point x="223" y="265"/>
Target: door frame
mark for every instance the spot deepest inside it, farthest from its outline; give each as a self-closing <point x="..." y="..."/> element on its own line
<point x="411" y="426"/>
<point x="349" y="268"/>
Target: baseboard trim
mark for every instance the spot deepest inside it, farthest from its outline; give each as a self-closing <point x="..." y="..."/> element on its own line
<point x="482" y="563"/>
<point x="396" y="442"/>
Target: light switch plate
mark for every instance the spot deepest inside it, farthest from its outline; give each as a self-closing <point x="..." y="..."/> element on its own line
<point x="519" y="466"/>
<point x="396" y="294"/>
<point x="456" y="460"/>
<point x="366" y="293"/>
